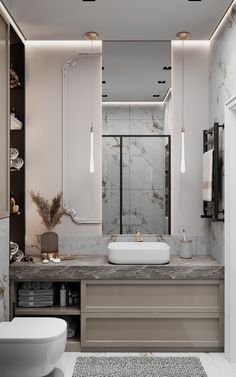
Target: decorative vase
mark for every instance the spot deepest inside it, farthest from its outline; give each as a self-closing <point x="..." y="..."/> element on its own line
<point x="49" y="244"/>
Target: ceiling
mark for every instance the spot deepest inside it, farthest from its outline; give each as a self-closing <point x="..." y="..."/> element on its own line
<point x="116" y="19"/>
<point x="132" y="71"/>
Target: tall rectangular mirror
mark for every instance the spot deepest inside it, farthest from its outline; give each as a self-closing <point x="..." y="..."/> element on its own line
<point x="136" y="137"/>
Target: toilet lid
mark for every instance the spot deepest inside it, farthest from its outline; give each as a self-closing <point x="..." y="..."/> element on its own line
<point x="32" y="330"/>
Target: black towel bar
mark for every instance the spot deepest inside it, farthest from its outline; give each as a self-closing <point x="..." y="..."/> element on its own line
<point x="212" y="210"/>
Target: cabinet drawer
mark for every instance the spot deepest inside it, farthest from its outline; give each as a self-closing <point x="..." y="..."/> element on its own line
<point x="151" y="330"/>
<point x="152" y="296"/>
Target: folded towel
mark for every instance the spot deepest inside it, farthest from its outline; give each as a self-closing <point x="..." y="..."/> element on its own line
<point x="33" y="304"/>
<point x="207" y="173"/>
<point x="35" y="292"/>
<point x="35" y="298"/>
<point x="46" y="285"/>
<point x="27" y="285"/>
<point x="36" y="285"/>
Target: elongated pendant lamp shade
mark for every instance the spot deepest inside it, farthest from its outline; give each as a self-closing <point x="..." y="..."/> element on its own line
<point x="182" y="165"/>
<point x="91" y="35"/>
<point x="91" y="164"/>
<point x="183" y="35"/>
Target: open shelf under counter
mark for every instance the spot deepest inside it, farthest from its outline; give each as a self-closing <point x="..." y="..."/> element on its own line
<point x="52" y="310"/>
<point x="73" y="345"/>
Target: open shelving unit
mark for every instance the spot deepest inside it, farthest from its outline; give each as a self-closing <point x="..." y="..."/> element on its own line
<point x="73" y="344"/>
<point x="17" y="139"/>
<point x="51" y="311"/>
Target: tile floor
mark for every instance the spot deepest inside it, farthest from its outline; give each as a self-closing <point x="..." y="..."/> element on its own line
<point x="214" y="364"/>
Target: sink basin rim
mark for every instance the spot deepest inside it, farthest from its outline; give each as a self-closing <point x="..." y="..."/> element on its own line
<point x="138" y="245"/>
<point x="144" y="253"/>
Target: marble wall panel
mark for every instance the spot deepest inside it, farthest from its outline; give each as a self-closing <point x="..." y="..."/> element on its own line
<point x="152" y="112"/>
<point x="111" y="211"/>
<point x="116" y="127"/>
<point x="143" y="210"/>
<point x="146" y="126"/>
<point x="111" y="163"/>
<point x="143" y="165"/>
<point x="93" y="245"/>
<point x="222" y="83"/>
<point x="119" y="111"/>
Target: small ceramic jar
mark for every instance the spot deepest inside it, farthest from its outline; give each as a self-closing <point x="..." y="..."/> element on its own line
<point x="186" y="249"/>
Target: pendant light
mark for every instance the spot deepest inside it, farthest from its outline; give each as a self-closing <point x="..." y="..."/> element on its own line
<point x="91" y="35"/>
<point x="183" y="36"/>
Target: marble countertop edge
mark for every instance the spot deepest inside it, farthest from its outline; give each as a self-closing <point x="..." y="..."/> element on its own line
<point x="98" y="267"/>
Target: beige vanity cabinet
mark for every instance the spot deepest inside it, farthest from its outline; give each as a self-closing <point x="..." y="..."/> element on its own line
<point x="4" y="120"/>
<point x="156" y="315"/>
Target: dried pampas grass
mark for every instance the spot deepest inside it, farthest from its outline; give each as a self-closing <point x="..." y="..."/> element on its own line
<point x="51" y="212"/>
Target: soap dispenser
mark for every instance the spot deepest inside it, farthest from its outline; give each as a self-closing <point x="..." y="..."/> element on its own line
<point x="63" y="295"/>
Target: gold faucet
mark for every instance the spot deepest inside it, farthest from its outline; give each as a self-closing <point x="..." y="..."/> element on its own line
<point x="138" y="236"/>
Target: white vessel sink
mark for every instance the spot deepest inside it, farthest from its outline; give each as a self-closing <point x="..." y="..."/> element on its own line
<point x="138" y="252"/>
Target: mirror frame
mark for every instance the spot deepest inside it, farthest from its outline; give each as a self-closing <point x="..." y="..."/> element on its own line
<point x="72" y="212"/>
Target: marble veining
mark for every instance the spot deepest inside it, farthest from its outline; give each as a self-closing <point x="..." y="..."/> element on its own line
<point x="222" y="84"/>
<point x="87" y="245"/>
<point x="143" y="172"/>
<point x="98" y="267"/>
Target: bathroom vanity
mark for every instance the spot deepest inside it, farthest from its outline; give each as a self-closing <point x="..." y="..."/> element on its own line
<point x="178" y="306"/>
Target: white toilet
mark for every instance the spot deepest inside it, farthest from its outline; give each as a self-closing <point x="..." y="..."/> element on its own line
<point x="31" y="347"/>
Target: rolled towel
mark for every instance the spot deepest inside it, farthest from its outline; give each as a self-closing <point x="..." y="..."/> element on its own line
<point x="71" y="330"/>
<point x="46" y="285"/>
<point x="36" y="285"/>
<point x="27" y="285"/>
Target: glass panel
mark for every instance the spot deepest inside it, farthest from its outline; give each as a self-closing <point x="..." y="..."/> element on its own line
<point x="143" y="161"/>
<point x="111" y="185"/>
<point x="4" y="169"/>
<point x="145" y="184"/>
<point x="143" y="210"/>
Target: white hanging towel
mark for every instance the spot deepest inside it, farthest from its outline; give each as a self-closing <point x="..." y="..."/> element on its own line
<point x="207" y="174"/>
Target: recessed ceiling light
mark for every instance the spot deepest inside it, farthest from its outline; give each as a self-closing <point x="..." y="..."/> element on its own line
<point x="167" y="68"/>
<point x="161" y="82"/>
<point x="104" y="96"/>
<point x="156" y="95"/>
<point x="104" y="82"/>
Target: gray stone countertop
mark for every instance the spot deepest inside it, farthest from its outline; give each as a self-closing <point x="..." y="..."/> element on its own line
<point x="97" y="267"/>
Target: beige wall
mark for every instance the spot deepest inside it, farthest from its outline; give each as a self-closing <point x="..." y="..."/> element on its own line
<point x="44" y="134"/>
<point x="186" y="188"/>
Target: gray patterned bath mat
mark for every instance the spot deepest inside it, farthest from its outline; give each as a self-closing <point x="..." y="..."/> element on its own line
<point x="138" y="366"/>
